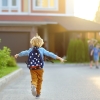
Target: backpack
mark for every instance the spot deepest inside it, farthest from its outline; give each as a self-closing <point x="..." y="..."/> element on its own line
<point x="35" y="58"/>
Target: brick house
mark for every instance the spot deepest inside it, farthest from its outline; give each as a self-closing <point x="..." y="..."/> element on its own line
<point x="53" y="20"/>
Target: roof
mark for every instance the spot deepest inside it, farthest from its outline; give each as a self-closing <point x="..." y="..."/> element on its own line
<point x="77" y="24"/>
<point x="68" y="22"/>
<point x="25" y="20"/>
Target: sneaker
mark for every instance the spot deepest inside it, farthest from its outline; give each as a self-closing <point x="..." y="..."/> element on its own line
<point x="33" y="90"/>
<point x="97" y="67"/>
<point x="37" y="96"/>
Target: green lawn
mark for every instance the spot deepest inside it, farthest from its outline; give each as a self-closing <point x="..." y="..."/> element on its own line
<point x="7" y="70"/>
<point x="56" y="61"/>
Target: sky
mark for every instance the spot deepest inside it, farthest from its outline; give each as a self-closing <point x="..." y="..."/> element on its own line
<point x="86" y="8"/>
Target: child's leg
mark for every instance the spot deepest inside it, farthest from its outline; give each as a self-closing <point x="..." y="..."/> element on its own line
<point x="34" y="82"/>
<point x="91" y="64"/>
<point x="34" y="77"/>
<point x="97" y="64"/>
<point x="39" y="81"/>
<point x="96" y="59"/>
<point x="91" y="61"/>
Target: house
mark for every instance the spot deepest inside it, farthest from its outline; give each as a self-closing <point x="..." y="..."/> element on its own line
<point x="53" y="20"/>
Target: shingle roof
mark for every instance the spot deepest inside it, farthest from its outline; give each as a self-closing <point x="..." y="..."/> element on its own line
<point x="77" y="24"/>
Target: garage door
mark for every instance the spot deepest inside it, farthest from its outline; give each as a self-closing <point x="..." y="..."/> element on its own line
<point x="16" y="42"/>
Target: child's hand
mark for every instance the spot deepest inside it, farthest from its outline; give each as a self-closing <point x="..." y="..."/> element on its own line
<point x="16" y="56"/>
<point x="62" y="60"/>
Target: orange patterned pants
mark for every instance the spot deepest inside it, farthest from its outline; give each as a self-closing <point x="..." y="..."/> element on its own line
<point x="37" y="78"/>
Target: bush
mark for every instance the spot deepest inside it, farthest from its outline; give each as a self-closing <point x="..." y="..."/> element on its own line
<point x="77" y="51"/>
<point x="11" y="62"/>
<point x="6" y="60"/>
<point x="4" y="56"/>
<point x="70" y="51"/>
<point x="80" y="52"/>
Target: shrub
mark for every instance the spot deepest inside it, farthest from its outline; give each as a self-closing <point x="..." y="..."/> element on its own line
<point x="70" y="51"/>
<point x="6" y="60"/>
<point x="11" y="62"/>
<point x="80" y="52"/>
<point x="4" y="56"/>
<point x="76" y="51"/>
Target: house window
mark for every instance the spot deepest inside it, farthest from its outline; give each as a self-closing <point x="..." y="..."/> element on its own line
<point x="14" y="3"/>
<point x="45" y="4"/>
<point x="4" y="3"/>
<point x="37" y="3"/>
<point x="10" y="5"/>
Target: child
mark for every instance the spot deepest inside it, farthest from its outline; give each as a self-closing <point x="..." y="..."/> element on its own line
<point x="37" y="74"/>
<point x="91" y="46"/>
<point x="95" y="52"/>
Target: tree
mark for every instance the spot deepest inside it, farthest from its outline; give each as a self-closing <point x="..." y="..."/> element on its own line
<point x="76" y="51"/>
<point x="80" y="54"/>
<point x="97" y="15"/>
<point x="70" y="51"/>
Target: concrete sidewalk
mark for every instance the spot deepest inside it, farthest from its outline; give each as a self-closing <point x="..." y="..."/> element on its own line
<point x="8" y="78"/>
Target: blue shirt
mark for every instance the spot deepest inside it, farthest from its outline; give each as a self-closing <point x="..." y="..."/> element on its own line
<point x="42" y="52"/>
<point x="96" y="51"/>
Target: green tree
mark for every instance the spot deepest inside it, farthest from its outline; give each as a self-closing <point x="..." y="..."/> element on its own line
<point x="80" y="52"/>
<point x="76" y="51"/>
<point x="97" y="14"/>
<point x="69" y="51"/>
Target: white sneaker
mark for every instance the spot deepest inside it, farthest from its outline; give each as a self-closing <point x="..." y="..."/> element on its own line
<point x="33" y="89"/>
<point x="37" y="96"/>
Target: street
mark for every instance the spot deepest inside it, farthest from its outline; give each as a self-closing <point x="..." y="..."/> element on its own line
<point x="61" y="82"/>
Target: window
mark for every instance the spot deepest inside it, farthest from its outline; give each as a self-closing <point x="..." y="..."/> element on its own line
<point x="45" y="4"/>
<point x="10" y="5"/>
<point x="14" y="3"/>
<point x="52" y="3"/>
<point x="37" y="3"/>
<point x="4" y="3"/>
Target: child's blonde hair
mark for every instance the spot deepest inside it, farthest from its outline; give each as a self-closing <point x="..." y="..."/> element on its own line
<point x="37" y="41"/>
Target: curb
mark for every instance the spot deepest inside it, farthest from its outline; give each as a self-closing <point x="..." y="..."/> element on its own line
<point x="6" y="79"/>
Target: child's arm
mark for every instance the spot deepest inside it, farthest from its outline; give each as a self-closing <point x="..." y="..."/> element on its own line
<point x="92" y="52"/>
<point x="61" y="59"/>
<point x="16" y="55"/>
<point x="23" y="53"/>
<point x="52" y="55"/>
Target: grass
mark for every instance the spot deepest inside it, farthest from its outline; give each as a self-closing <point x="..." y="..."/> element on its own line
<point x="7" y="70"/>
<point x="56" y="61"/>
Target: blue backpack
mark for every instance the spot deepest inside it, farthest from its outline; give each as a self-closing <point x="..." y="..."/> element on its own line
<point x="35" y="58"/>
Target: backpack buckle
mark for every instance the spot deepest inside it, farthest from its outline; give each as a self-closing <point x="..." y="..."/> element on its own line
<point x="35" y="67"/>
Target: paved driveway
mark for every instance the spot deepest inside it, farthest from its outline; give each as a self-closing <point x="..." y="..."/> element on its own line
<point x="61" y="82"/>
